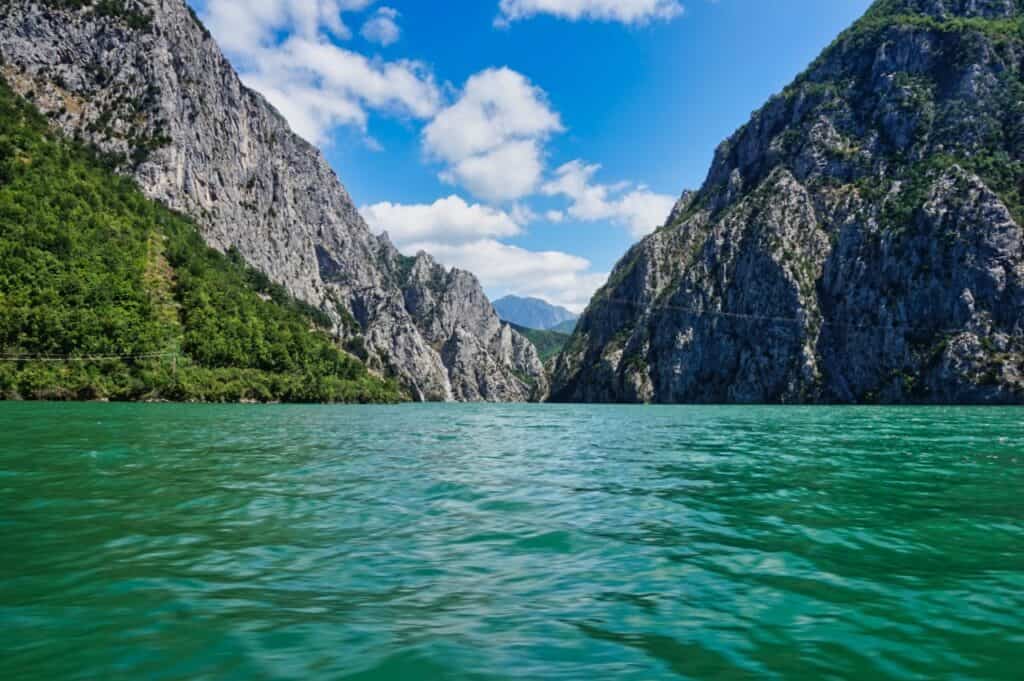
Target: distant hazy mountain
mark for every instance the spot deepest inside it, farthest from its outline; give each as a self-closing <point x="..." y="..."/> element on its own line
<point x="566" y="327"/>
<point x="532" y="313"/>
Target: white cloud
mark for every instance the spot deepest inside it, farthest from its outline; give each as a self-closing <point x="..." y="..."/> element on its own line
<point x="491" y="139"/>
<point x="555" y="216"/>
<point x="510" y="171"/>
<point x="465" y="235"/>
<point x="241" y="24"/>
<point x="636" y="207"/>
<point x="450" y="221"/>
<point x="382" y="28"/>
<point x="633" y="12"/>
<point x="523" y="214"/>
<point x="284" y="50"/>
<point x="559" y="278"/>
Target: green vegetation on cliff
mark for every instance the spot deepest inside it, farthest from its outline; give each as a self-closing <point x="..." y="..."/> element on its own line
<point x="90" y="268"/>
<point x="127" y="11"/>
<point x="548" y="343"/>
<point x="857" y="241"/>
<point x="566" y="327"/>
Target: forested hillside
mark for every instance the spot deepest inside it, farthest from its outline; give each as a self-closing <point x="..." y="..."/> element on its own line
<point x="89" y="268"/>
<point x="146" y="84"/>
<point x="548" y="343"/>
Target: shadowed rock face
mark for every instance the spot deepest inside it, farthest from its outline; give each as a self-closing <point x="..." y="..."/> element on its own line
<point x="151" y="89"/>
<point x="857" y="241"/>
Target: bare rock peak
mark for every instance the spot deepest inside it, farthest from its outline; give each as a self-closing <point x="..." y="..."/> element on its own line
<point x="859" y="240"/>
<point x="143" y="81"/>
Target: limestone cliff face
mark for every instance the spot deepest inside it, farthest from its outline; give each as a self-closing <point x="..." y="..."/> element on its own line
<point x="858" y="241"/>
<point x="145" y="83"/>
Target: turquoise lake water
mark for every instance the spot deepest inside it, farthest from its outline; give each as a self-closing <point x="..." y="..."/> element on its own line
<point x="510" y="542"/>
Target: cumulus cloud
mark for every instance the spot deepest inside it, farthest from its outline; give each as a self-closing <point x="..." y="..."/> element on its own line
<point x="382" y="28"/>
<point x="636" y="207"/>
<point x="491" y="139"/>
<point x="450" y="221"/>
<point x="509" y="171"/>
<point x="241" y="24"/>
<point x="285" y="51"/>
<point x="464" y="235"/>
<point x="632" y="12"/>
<point x="523" y="214"/>
<point x="559" y="278"/>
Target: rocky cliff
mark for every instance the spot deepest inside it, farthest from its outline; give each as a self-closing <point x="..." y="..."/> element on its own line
<point x="143" y="82"/>
<point x="858" y="241"/>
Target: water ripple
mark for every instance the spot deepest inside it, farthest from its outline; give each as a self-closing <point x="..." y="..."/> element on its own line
<point x="532" y="542"/>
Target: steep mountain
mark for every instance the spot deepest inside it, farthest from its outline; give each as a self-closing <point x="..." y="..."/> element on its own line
<point x="532" y="313"/>
<point x="548" y="343"/>
<point x="144" y="83"/>
<point x="858" y="241"/>
<point x="92" y="270"/>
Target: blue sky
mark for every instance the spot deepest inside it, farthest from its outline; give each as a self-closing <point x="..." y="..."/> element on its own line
<point x="530" y="141"/>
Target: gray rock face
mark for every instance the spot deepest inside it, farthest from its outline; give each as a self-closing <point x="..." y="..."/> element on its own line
<point x="150" y="88"/>
<point x="858" y="241"/>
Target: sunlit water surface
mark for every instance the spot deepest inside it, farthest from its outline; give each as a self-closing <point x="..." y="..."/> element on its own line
<point x="519" y="542"/>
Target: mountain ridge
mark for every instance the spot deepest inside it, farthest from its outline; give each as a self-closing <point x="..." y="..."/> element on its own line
<point x="109" y="296"/>
<point x="532" y="313"/>
<point x="858" y="240"/>
<point x="144" y="82"/>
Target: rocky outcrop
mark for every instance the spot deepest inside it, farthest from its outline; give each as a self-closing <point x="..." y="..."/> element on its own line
<point x="145" y="83"/>
<point x="858" y="241"/>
